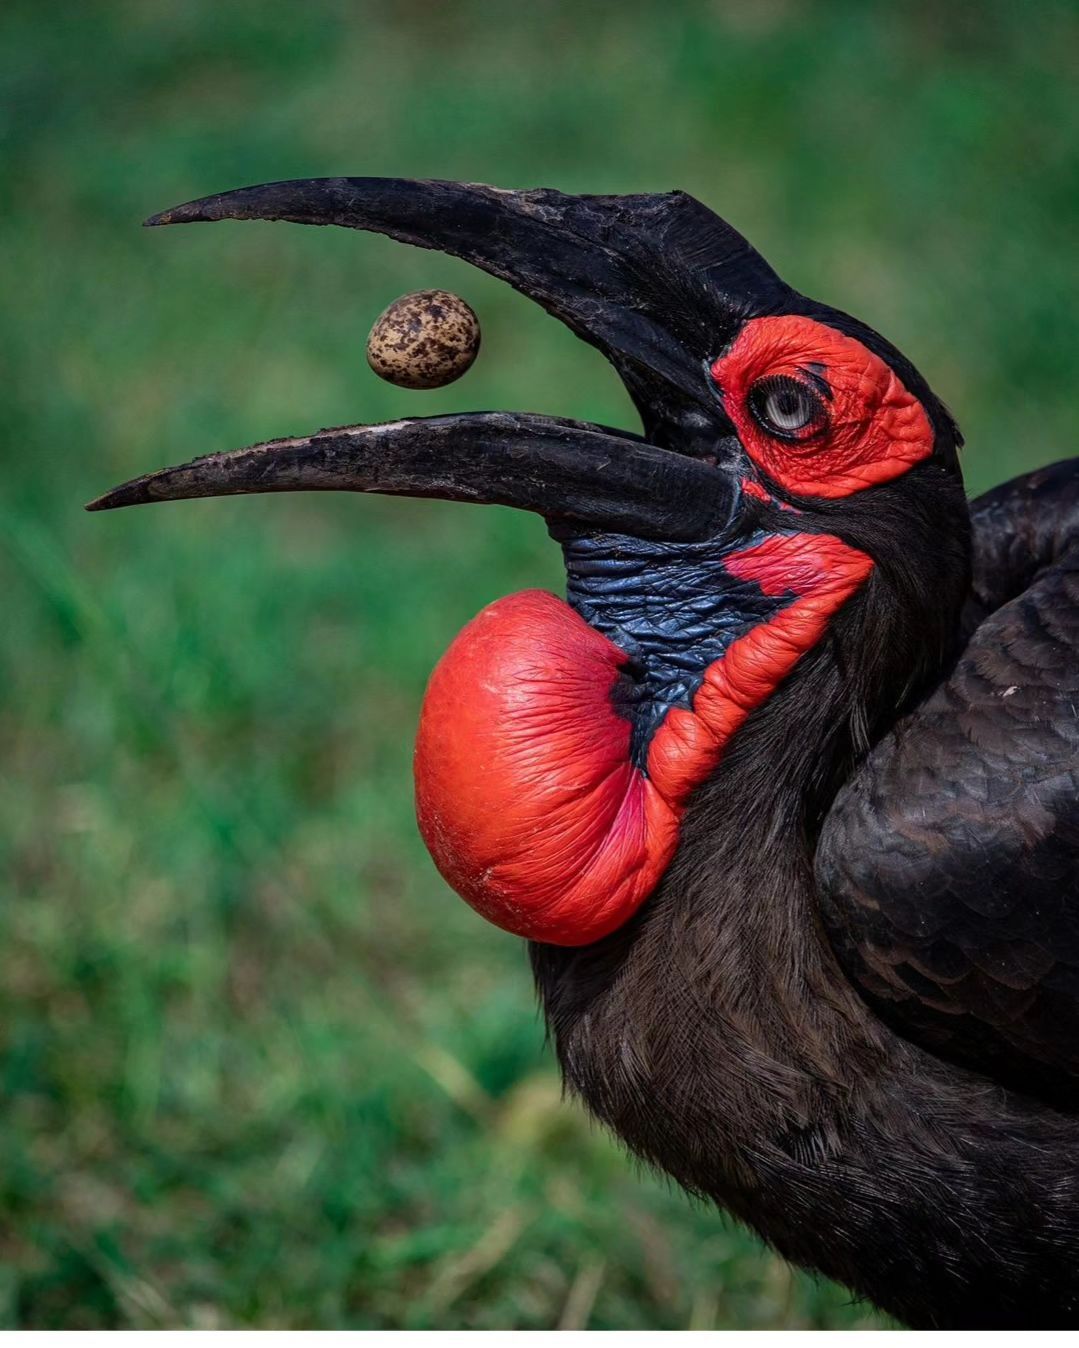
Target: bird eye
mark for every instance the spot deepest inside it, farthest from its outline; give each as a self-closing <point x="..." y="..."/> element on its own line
<point x="786" y="407"/>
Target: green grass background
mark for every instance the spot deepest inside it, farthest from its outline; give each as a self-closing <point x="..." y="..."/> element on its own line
<point x="258" y="1066"/>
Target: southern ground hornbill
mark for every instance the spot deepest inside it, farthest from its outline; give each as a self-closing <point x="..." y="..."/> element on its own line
<point x="784" y="797"/>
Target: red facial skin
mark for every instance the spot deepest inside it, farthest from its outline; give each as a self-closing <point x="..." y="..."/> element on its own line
<point x="873" y="430"/>
<point x="526" y="795"/>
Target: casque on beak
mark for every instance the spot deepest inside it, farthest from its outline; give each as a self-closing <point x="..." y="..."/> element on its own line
<point x="659" y="284"/>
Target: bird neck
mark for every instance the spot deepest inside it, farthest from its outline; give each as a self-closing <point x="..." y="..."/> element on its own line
<point x="705" y="998"/>
<point x="716" y="1035"/>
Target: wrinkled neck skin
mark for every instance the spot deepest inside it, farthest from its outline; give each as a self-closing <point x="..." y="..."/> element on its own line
<point x="560" y="742"/>
<point x="716" y="1035"/>
<point x="674" y="609"/>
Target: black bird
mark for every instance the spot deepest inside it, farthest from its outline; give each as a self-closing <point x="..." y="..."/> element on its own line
<point x="784" y="797"/>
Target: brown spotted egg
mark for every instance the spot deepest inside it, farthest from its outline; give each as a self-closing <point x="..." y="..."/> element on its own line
<point x="424" y="340"/>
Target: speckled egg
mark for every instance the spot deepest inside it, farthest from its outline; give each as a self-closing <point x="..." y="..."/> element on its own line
<point x="424" y="340"/>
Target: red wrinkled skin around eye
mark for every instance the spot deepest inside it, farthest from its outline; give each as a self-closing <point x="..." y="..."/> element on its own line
<point x="526" y="795"/>
<point x="876" y="428"/>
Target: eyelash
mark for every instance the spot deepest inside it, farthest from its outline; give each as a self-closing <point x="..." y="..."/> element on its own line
<point x="771" y="387"/>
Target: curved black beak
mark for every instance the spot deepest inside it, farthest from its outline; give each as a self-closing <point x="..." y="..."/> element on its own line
<point x="658" y="283"/>
<point x="563" y="470"/>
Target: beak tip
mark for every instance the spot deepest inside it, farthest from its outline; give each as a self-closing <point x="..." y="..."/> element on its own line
<point x="130" y="493"/>
<point x="173" y="216"/>
<point x="190" y="212"/>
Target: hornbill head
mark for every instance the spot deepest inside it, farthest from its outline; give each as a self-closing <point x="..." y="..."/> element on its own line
<point x="796" y="486"/>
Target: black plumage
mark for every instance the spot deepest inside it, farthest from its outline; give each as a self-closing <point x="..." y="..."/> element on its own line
<point x="718" y="1036"/>
<point x="949" y="864"/>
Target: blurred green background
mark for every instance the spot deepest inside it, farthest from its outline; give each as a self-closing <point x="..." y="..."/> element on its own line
<point x="259" y="1066"/>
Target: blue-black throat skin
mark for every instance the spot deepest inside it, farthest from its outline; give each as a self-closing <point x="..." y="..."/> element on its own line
<point x="673" y="608"/>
